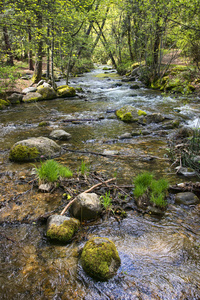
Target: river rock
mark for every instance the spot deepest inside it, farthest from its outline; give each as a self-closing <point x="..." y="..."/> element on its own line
<point x="186" y="198"/>
<point x="29" y="90"/>
<point x="155" y="118"/>
<point x="15" y="98"/>
<point x="33" y="149"/>
<point x="100" y="258"/>
<point x="47" y="92"/>
<point x="126" y="135"/>
<point x="127" y="114"/>
<point x="32" y="96"/>
<point x="61" y="228"/>
<point x="87" y="206"/>
<point x="60" y="134"/>
<point x="66" y="91"/>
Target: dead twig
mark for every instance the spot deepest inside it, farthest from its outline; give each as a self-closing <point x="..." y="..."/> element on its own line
<point x="87" y="191"/>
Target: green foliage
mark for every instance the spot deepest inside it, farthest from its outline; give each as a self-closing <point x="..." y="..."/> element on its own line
<point x="106" y="201"/>
<point x="8" y="77"/>
<point x="155" y="190"/>
<point x="51" y="171"/>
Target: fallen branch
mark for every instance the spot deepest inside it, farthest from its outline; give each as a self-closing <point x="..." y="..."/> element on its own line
<point x="87" y="191"/>
<point x="149" y="157"/>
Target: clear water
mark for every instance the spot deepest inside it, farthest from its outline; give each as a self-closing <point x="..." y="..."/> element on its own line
<point x="160" y="257"/>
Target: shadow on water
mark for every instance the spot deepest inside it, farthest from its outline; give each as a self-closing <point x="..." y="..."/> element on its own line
<point x="159" y="256"/>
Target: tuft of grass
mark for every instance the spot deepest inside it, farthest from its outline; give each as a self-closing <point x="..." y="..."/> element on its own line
<point x="143" y="179"/>
<point x="51" y="171"/>
<point x="106" y="201"/>
<point x="155" y="189"/>
<point x="84" y="169"/>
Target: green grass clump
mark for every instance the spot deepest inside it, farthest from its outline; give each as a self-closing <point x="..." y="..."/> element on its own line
<point x="83" y="169"/>
<point x="155" y="189"/>
<point x="51" y="171"/>
<point x="106" y="201"/>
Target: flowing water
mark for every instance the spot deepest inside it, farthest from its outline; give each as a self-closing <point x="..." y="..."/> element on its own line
<point x="159" y="256"/>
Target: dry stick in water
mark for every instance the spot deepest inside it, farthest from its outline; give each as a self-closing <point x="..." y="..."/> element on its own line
<point x="87" y="191"/>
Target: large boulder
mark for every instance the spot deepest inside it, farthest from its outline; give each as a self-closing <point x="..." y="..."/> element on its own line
<point x="30" y="89"/>
<point x="186" y="198"/>
<point x="32" y="97"/>
<point x="87" y="206"/>
<point x="129" y="114"/>
<point x="66" y="91"/>
<point x="61" y="228"/>
<point x="47" y="92"/>
<point x="33" y="149"/>
<point x="59" y="134"/>
<point x="100" y="258"/>
<point x="15" y="98"/>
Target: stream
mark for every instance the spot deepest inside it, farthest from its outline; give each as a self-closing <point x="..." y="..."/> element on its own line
<point x="159" y="256"/>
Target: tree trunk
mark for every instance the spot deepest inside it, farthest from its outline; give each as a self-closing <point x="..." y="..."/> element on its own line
<point x="10" y="60"/>
<point x="38" y="64"/>
<point x="106" y="46"/>
<point x="48" y="54"/>
<point x="30" y="53"/>
<point x="129" y="38"/>
<point x="99" y="34"/>
<point x="52" y="57"/>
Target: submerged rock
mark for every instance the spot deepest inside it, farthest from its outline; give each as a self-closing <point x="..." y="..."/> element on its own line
<point x="87" y="206"/>
<point x="33" y="148"/>
<point x="60" y="134"/>
<point x="186" y="198"/>
<point x="100" y="258"/>
<point x="61" y="228"/>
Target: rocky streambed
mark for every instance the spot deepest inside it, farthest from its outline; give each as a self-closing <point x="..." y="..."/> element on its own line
<point x="159" y="254"/>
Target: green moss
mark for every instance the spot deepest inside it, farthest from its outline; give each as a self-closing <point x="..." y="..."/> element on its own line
<point x="63" y="232"/>
<point x="66" y="91"/>
<point x="141" y="113"/>
<point x="21" y="153"/>
<point x="97" y="256"/>
<point x="3" y="104"/>
<point x="43" y="124"/>
<point x="127" y="116"/>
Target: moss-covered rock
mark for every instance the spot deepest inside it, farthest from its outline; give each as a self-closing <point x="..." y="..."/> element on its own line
<point x="32" y="97"/>
<point x="127" y="114"/>
<point x="3" y="104"/>
<point x="141" y="113"/>
<point x="100" y="258"/>
<point x="21" y="153"/>
<point x="47" y="93"/>
<point x="61" y="228"/>
<point x="43" y="124"/>
<point x="34" y="148"/>
<point x="66" y="91"/>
